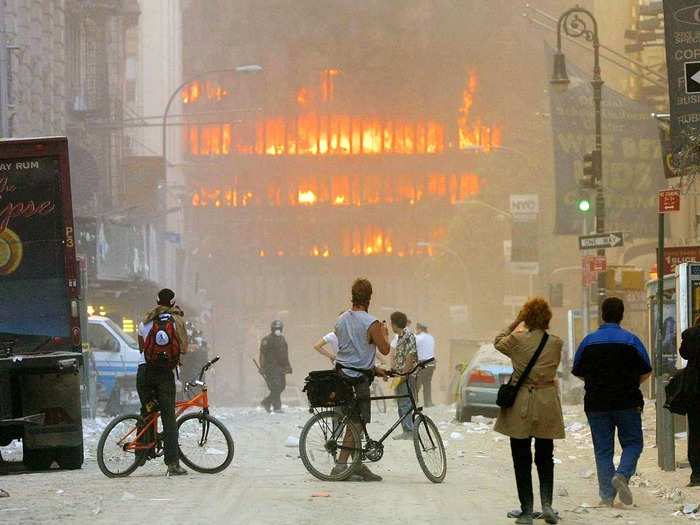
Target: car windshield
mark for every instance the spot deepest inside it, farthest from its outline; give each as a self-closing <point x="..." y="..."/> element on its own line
<point x="129" y="340"/>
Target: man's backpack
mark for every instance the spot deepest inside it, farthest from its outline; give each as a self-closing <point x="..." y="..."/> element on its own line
<point x="162" y="347"/>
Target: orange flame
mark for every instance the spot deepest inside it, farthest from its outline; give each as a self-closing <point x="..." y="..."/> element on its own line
<point x="343" y="190"/>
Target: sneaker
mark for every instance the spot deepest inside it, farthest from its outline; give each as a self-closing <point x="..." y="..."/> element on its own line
<point x="549" y="516"/>
<point x="621" y="485"/>
<point x="366" y="474"/>
<point x="176" y="470"/>
<point x="339" y="469"/>
<point x="524" y="519"/>
<point x="403" y="435"/>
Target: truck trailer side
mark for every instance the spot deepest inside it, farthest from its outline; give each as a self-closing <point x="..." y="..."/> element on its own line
<point x="40" y="336"/>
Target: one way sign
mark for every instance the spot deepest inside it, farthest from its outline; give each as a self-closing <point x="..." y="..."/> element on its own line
<point x="600" y="240"/>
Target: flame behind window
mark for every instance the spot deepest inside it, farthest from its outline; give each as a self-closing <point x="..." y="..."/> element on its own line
<point x="317" y="128"/>
<point x="340" y="190"/>
<point x="364" y="240"/>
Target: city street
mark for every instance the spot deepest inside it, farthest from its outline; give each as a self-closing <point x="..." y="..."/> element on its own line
<point x="268" y="484"/>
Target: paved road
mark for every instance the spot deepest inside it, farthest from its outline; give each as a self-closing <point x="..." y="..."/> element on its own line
<point x="267" y="484"/>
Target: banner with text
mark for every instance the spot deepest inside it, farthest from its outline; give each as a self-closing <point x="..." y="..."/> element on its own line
<point x="632" y="167"/>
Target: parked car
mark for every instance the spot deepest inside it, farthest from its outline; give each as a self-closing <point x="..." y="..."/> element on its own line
<point x="117" y="358"/>
<point x="478" y="387"/>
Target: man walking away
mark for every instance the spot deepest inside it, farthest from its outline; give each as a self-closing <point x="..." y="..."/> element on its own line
<point x="162" y="339"/>
<point x="425" y="344"/>
<point x="274" y="365"/>
<point x="404" y="360"/>
<point x="613" y="363"/>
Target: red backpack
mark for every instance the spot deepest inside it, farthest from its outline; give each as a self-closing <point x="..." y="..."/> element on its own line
<point x="162" y="346"/>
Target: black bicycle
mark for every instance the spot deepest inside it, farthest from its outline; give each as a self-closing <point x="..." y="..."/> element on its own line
<point x="333" y="442"/>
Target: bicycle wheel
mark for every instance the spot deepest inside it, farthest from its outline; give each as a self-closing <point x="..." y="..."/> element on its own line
<point x="205" y="444"/>
<point x="322" y="442"/>
<point x="113" y="457"/>
<point x="430" y="450"/>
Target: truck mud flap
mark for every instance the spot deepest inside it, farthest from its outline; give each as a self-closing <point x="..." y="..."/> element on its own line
<point x="57" y="397"/>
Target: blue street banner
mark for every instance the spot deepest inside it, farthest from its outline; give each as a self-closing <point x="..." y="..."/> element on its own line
<point x="632" y="166"/>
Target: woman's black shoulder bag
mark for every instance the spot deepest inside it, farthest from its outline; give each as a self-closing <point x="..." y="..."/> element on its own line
<point x="508" y="392"/>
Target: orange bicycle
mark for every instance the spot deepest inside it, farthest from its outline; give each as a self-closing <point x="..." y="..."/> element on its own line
<point x="130" y="440"/>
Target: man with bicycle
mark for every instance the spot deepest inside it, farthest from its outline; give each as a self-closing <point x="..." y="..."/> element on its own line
<point x="162" y="338"/>
<point x="360" y="335"/>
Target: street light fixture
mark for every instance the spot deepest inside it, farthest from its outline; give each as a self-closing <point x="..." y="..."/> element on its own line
<point x="560" y="78"/>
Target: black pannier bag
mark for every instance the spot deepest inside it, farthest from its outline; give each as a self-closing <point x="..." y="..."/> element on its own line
<point x="326" y="388"/>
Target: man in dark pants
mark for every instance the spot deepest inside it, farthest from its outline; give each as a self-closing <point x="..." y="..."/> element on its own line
<point x="613" y="363"/>
<point x="156" y="381"/>
<point x="274" y="365"/>
<point x="690" y="350"/>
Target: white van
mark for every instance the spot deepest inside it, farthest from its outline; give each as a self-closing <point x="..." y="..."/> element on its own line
<point x="116" y="356"/>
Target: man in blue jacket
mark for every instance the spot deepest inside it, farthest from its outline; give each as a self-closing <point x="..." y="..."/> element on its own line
<point x="613" y="363"/>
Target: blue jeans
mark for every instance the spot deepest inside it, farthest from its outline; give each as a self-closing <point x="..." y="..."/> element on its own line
<point x="629" y="433"/>
<point x="404" y="406"/>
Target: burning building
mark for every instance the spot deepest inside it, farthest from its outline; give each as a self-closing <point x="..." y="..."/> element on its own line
<point x="295" y="186"/>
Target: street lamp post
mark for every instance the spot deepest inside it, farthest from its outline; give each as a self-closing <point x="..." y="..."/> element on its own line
<point x="574" y="23"/>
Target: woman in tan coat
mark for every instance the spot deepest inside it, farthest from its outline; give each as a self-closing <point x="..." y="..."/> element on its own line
<point x="536" y="412"/>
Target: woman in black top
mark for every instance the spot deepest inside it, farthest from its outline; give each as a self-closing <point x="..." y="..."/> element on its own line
<point x="690" y="350"/>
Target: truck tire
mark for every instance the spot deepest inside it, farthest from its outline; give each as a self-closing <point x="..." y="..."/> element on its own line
<point x="70" y="458"/>
<point x="37" y="458"/>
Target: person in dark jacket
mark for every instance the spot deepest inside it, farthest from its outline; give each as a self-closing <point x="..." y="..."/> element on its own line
<point x="690" y="350"/>
<point x="274" y="365"/>
<point x="613" y="363"/>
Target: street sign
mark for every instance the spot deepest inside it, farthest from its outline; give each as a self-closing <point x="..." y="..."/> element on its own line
<point x="669" y="200"/>
<point x="601" y="240"/>
<point x="588" y="276"/>
<point x="676" y="255"/>
<point x="682" y="23"/>
<point x="599" y="264"/>
<point x="692" y="77"/>
<point x="525" y="207"/>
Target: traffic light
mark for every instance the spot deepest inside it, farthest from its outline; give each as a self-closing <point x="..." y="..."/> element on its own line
<point x="583" y="203"/>
<point x="591" y="169"/>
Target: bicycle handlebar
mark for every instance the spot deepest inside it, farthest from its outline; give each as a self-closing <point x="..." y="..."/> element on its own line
<point x="208" y="366"/>
<point x="419" y="364"/>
